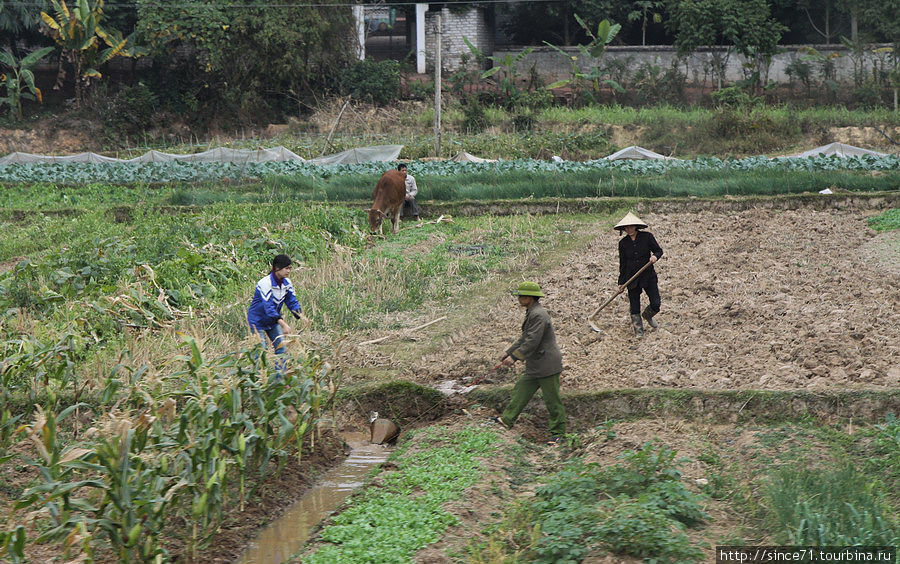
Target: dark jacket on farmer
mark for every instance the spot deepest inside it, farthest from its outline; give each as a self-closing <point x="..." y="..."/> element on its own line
<point x="537" y="345"/>
<point x="635" y="254"/>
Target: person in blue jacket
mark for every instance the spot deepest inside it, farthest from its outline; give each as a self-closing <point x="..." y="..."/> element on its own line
<point x="264" y="315"/>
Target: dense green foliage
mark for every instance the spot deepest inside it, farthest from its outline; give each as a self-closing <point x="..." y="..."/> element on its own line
<point x="638" y="507"/>
<point x="413" y="496"/>
<point x="228" y="57"/>
<point x="372" y="81"/>
<point x="126" y="173"/>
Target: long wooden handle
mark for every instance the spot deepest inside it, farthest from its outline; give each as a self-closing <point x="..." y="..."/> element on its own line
<point x="625" y="285"/>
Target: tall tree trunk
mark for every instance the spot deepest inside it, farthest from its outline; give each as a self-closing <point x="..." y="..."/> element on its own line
<point x="854" y="26"/>
<point x="79" y="94"/>
<point x="567" y="38"/>
<point x="827" y="22"/>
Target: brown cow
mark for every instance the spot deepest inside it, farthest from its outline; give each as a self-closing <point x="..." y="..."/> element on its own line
<point x="388" y="197"/>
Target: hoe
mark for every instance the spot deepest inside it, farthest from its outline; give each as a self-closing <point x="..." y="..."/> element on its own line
<point x="625" y="285"/>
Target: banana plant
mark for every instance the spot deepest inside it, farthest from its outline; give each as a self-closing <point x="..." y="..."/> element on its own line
<point x="593" y="51"/>
<point x="507" y="65"/>
<point x="19" y="80"/>
<point x="79" y="31"/>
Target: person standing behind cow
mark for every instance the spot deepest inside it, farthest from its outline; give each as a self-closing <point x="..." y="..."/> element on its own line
<point x="636" y="249"/>
<point x="410" y="207"/>
<point x="264" y="314"/>
<point x="543" y="364"/>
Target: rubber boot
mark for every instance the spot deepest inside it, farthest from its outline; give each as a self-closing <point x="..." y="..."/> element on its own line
<point x="637" y="325"/>
<point x="648" y="315"/>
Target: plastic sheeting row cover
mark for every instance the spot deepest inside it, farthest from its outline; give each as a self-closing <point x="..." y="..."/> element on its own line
<point x="219" y="155"/>
<point x="838" y="150"/>
<point x="375" y="153"/>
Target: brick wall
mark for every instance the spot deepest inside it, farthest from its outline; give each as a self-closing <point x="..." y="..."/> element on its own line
<point x="470" y="24"/>
<point x="698" y="65"/>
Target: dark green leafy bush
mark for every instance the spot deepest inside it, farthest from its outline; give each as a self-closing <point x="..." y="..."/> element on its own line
<point x="373" y="81"/>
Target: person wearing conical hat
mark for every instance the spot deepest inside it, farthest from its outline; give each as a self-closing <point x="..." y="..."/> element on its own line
<point x="636" y="249"/>
<point x="543" y="363"/>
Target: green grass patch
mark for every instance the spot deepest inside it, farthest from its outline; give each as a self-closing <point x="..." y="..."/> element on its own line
<point x="390" y="523"/>
<point x="888" y="221"/>
<point x="834" y="507"/>
<point x="429" y="265"/>
<point x="623" y="115"/>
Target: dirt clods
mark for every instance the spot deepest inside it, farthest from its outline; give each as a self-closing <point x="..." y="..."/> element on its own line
<point x="759" y="299"/>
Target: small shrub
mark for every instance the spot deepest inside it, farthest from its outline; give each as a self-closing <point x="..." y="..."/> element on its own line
<point x="373" y="81"/>
<point x="638" y="529"/>
<point x="128" y="112"/>
<point x="474" y="116"/>
<point x="421" y="90"/>
<point x="534" y="99"/>
<point x="523" y="121"/>
<point x="734" y="97"/>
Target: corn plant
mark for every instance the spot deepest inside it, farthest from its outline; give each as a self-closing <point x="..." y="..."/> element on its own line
<point x="12" y="544"/>
<point x="135" y="495"/>
<point x="57" y="471"/>
<point x="175" y="457"/>
<point x="7" y="431"/>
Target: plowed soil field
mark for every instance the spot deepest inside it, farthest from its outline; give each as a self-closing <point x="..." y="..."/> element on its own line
<point x="758" y="299"/>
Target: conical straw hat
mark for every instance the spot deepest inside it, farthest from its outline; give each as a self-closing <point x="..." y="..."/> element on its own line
<point x="630" y="219"/>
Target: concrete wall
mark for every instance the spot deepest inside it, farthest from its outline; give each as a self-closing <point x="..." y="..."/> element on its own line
<point x="471" y="24"/>
<point x="698" y="66"/>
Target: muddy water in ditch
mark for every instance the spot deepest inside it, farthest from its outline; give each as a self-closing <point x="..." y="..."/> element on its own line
<point x="284" y="537"/>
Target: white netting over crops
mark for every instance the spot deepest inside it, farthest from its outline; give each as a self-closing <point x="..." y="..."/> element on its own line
<point x="376" y="153"/>
<point x="838" y="150"/>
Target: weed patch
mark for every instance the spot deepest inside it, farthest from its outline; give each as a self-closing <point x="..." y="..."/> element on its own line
<point x="888" y="221"/>
<point x="828" y="507"/>
<point x="638" y="507"/>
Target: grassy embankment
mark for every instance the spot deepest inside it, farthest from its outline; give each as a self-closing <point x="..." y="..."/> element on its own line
<point x="580" y="133"/>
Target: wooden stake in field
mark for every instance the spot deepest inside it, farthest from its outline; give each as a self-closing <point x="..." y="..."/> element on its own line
<point x="437" y="87"/>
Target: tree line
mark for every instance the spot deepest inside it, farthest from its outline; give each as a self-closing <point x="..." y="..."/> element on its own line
<point x="256" y="58"/>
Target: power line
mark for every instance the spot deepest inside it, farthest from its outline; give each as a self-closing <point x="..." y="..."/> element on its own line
<point x="36" y="4"/>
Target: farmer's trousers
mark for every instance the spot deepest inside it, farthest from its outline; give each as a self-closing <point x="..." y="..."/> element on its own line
<point x="521" y="395"/>
<point x="276" y="335"/>
<point x="410" y="208"/>
<point x="634" y="298"/>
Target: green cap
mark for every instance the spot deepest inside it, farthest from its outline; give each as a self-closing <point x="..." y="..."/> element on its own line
<point x="528" y="289"/>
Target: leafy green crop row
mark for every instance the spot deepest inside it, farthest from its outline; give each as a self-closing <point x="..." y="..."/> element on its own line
<point x="128" y="173"/>
<point x="390" y="523"/>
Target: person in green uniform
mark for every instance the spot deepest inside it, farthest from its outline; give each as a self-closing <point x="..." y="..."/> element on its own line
<point x="543" y="363"/>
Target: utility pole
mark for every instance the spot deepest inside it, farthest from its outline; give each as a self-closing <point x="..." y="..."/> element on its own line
<point x="437" y="88"/>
